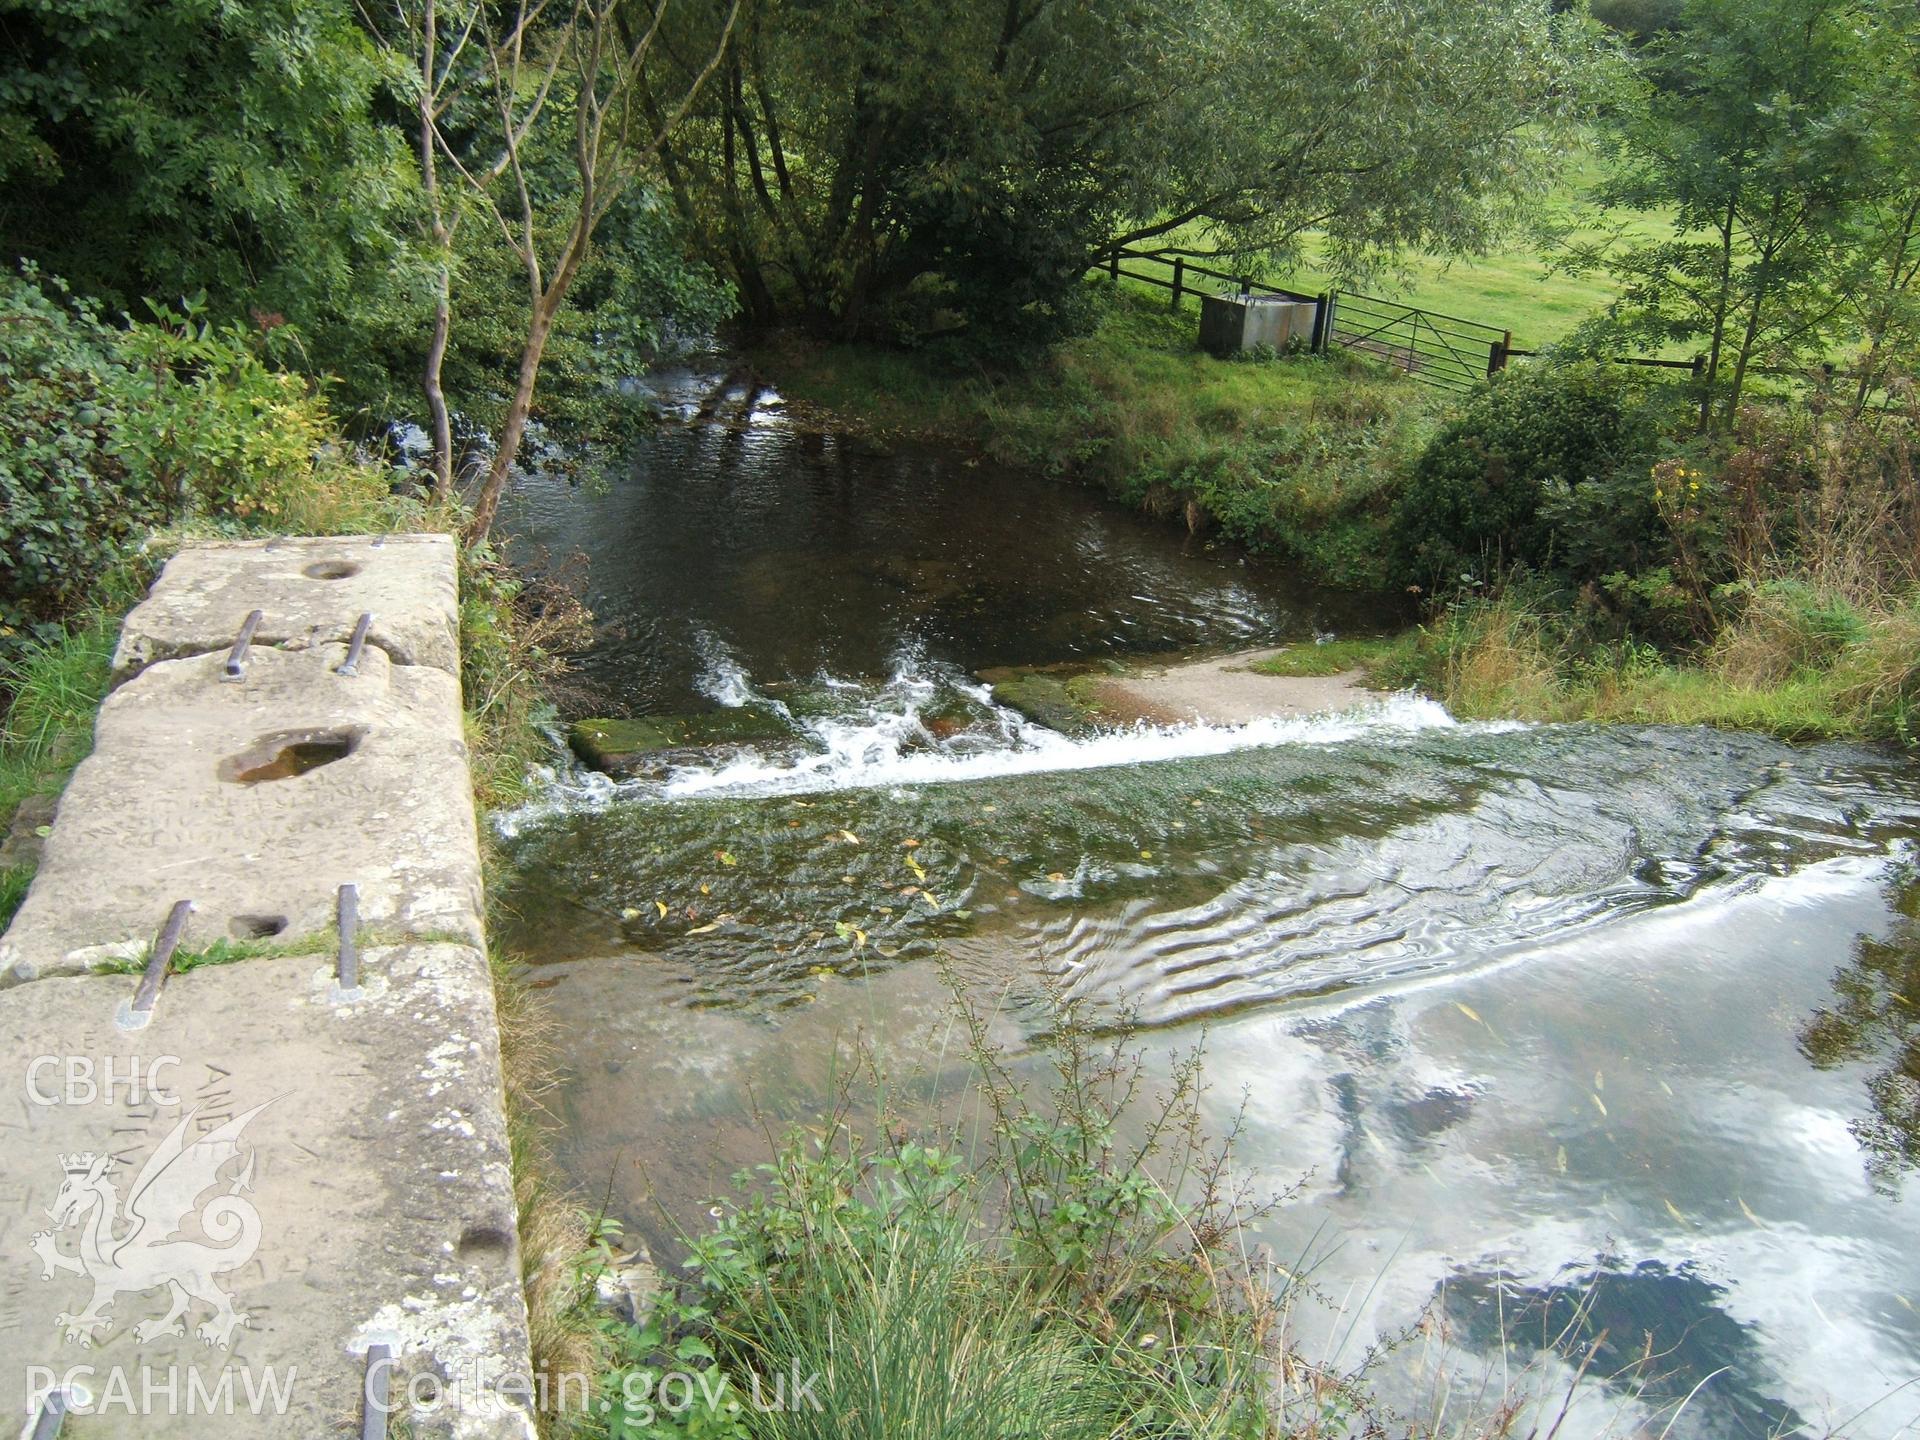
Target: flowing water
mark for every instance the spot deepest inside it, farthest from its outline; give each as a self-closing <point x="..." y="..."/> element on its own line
<point x="1588" y="1033"/>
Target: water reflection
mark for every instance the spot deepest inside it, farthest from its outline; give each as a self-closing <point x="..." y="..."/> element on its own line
<point x="808" y="552"/>
<point x="1648" y="1331"/>
<point x="1874" y="1018"/>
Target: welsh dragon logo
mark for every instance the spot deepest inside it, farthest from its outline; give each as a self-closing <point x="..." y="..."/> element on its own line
<point x="132" y="1246"/>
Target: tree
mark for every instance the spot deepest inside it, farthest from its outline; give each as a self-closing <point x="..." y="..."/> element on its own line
<point x="877" y="165"/>
<point x="238" y="148"/>
<point x="553" y="137"/>
<point x="1883" y="230"/>
<point x="1752" y="130"/>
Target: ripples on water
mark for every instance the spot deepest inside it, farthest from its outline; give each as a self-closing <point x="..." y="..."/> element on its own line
<point x="1173" y="872"/>
<point x="1580" y="1035"/>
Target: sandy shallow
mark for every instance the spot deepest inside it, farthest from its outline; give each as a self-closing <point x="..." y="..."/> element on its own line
<point x="1224" y="690"/>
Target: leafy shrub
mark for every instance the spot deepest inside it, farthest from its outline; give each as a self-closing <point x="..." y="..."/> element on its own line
<point x="70" y="506"/>
<point x="1544" y="468"/>
<point x="1082" y="1284"/>
<point x="111" y="432"/>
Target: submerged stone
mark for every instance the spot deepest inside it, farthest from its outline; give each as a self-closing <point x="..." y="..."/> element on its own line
<point x="1049" y="696"/>
<point x="650" y="743"/>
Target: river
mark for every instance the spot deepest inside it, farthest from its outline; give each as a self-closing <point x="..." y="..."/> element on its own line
<point x="1550" y="1034"/>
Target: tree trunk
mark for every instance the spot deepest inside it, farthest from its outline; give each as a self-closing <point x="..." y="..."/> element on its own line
<point x="514" y="428"/>
<point x="1721" y="306"/>
<point x="435" y="392"/>
<point x="437" y="418"/>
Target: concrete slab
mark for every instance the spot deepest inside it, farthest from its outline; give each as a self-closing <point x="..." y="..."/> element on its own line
<point x="311" y="590"/>
<point x="350" y="1184"/>
<point x="198" y="789"/>
<point x="1225" y="690"/>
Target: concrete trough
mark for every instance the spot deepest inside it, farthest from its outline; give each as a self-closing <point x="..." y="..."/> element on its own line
<point x="1230" y="324"/>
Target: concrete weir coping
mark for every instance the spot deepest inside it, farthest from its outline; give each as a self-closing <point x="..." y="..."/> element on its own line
<point x="309" y="590"/>
<point x="258" y="1164"/>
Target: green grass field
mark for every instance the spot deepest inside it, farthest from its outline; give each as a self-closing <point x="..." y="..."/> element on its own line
<point x="1515" y="287"/>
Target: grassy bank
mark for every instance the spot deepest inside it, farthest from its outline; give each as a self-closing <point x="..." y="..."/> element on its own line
<point x="1776" y="671"/>
<point x="1293" y="457"/>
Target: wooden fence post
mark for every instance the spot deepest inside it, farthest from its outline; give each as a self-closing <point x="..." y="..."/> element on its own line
<point x="1497" y="354"/>
<point x="1246" y="285"/>
<point x="1113" y="267"/>
<point x="1179" y="278"/>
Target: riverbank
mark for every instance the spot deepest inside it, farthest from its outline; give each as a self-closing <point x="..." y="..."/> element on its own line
<point x="1296" y="459"/>
<point x="1580" y="555"/>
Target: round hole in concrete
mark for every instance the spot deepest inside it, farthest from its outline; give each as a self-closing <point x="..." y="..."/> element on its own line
<point x="287" y="755"/>
<point x="331" y="570"/>
<point x="484" y="1242"/>
<point x="256" y="927"/>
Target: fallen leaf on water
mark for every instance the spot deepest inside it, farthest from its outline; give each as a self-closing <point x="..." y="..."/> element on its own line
<point x="1666" y="1087"/>
<point x="1599" y="1081"/>
<point x="1058" y="877"/>
<point x="725" y="857"/>
<point x="849" y="837"/>
<point x="919" y="872"/>
<point x="1560" y="1160"/>
<point x="1904" y="1301"/>
<point x="661" y="906"/>
<point x="1468" y="1011"/>
<point x="1598" y="1103"/>
<point x="705" y="929"/>
<point x="1146" y="854"/>
<point x="629" y="913"/>
<point x="706" y="889"/>
<point x="931" y="898"/>
<point x="1674" y="1211"/>
<point x="910" y="844"/>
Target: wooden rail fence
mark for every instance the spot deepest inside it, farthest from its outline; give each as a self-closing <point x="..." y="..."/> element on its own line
<point x="1445" y="351"/>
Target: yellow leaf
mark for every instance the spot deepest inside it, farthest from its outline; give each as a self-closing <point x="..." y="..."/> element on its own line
<point x="919" y="872"/>
<point x="1749" y="1214"/>
<point x="706" y="889"/>
<point x="931" y="898"/>
<point x="849" y="837"/>
<point x="1469" y="1012"/>
<point x="1058" y="877"/>
<point x="661" y="906"/>
<point x="1598" y="1103"/>
<point x="1674" y="1211"/>
<point x="629" y="913"/>
<point x="704" y="929"/>
<point x="725" y="857"/>
<point x="910" y="844"/>
<point x="1146" y="854"/>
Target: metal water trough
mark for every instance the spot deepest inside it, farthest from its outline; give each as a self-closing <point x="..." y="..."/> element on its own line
<point x="1233" y="323"/>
